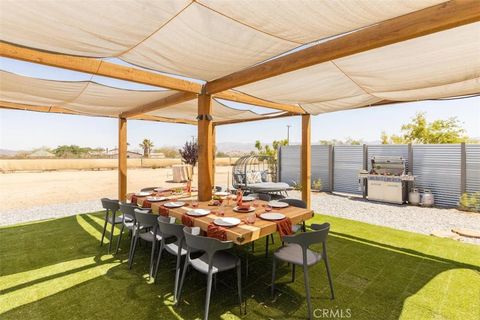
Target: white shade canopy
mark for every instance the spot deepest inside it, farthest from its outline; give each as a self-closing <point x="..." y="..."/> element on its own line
<point x="209" y="39"/>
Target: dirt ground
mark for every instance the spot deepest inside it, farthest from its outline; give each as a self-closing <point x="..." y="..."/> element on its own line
<point x="30" y="189"/>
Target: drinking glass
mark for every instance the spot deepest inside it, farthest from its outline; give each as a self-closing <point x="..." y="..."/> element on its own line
<point x="194" y="203"/>
<point x="268" y="208"/>
<point x="251" y="217"/>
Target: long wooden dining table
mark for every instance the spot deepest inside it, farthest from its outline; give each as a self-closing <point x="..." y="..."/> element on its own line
<point x="241" y="234"/>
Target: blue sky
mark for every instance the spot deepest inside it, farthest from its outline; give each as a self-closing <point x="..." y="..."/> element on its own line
<point x="20" y="130"/>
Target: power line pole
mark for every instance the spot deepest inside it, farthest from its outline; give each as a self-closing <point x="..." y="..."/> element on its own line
<point x="288" y="134"/>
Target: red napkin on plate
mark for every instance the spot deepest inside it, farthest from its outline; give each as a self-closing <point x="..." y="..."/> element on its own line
<point x="217" y="232"/>
<point x="134" y="199"/>
<point x="146" y="204"/>
<point x="284" y="227"/>
<point x="163" y="211"/>
<point x="244" y="206"/>
<point x="187" y="220"/>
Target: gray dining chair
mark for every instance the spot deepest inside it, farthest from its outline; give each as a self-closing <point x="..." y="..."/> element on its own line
<point x="111" y="207"/>
<point x="173" y="242"/>
<point x="128" y="213"/>
<point x="146" y="228"/>
<point x="214" y="260"/>
<point x="297" y="252"/>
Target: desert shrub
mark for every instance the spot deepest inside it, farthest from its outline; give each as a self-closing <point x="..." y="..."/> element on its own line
<point x="470" y="201"/>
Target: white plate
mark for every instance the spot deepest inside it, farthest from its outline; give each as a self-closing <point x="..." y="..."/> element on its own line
<point x="272" y="216"/>
<point x="198" y="212"/>
<point x="248" y="198"/>
<point x="227" y="222"/>
<point x="249" y="210"/>
<point x="155" y="199"/>
<point x="160" y="189"/>
<point x="143" y="194"/>
<point x="278" y="204"/>
<point x="221" y="194"/>
<point x="177" y="204"/>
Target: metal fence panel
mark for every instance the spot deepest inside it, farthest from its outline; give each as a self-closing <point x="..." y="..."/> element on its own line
<point x="320" y="165"/>
<point x="290" y="165"/>
<point x="437" y="168"/>
<point x="348" y="161"/>
<point x="473" y="167"/>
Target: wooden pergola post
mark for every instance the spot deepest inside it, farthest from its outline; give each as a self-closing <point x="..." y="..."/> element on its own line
<point x="122" y="159"/>
<point x="205" y="147"/>
<point x="306" y="171"/>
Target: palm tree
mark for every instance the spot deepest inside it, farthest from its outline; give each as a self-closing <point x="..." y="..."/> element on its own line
<point x="147" y="146"/>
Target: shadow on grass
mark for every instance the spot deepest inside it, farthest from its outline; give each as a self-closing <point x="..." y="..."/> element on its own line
<point x="69" y="275"/>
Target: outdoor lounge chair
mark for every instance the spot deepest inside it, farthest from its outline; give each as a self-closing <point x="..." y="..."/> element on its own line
<point x="214" y="260"/>
<point x="297" y="252"/>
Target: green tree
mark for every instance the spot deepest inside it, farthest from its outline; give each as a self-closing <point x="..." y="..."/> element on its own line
<point x="419" y="130"/>
<point x="147" y="146"/>
<point x="270" y="151"/>
<point x="169" y="152"/>
<point x="71" y="151"/>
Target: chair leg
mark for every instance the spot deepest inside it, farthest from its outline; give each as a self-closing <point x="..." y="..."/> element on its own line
<point x="273" y="239"/>
<point x="273" y="277"/>
<point x="330" y="282"/>
<point x="111" y="233"/>
<point x="132" y="240"/>
<point x="177" y="278"/>
<point x="152" y="259"/>
<point x="307" y="290"/>
<point x="304" y="227"/>
<point x="207" y="297"/>
<point x="293" y="272"/>
<point x="132" y="254"/>
<point x="239" y="287"/>
<point x="104" y="228"/>
<point x="158" y="261"/>
<point x="253" y="246"/>
<point x="119" y="238"/>
<point x="183" y="279"/>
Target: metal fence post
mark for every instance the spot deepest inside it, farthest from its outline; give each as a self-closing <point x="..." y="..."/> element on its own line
<point x="410" y="158"/>
<point x="463" y="168"/>
<point x="331" y="161"/>
<point x="279" y="165"/>
<point x="365" y="167"/>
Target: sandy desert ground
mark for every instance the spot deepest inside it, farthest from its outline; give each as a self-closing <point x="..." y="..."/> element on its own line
<point x="30" y="189"/>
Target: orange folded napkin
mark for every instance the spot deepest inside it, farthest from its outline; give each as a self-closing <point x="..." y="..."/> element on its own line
<point x="284" y="227"/>
<point x="217" y="232"/>
<point x="146" y="204"/>
<point x="187" y="220"/>
<point x="163" y="211"/>
<point x="134" y="199"/>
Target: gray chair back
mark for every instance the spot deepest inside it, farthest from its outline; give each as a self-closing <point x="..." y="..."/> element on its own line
<point x="110" y="204"/>
<point x="168" y="228"/>
<point x="128" y="210"/>
<point x="149" y="189"/>
<point x="295" y="203"/>
<point x="306" y="239"/>
<point x="208" y="245"/>
<point x="145" y="219"/>
<point x="261" y="196"/>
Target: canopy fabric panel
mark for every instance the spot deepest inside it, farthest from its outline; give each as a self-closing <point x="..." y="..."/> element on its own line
<point x="198" y="39"/>
<point x="220" y="112"/>
<point x="90" y="98"/>
<point x="440" y="65"/>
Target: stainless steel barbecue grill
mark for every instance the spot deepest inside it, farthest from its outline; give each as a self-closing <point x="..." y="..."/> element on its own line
<point x="387" y="180"/>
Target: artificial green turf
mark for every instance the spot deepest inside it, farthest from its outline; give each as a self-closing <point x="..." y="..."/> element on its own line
<point x="56" y="269"/>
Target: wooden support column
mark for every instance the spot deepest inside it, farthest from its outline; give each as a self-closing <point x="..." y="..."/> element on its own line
<point x="214" y="145"/>
<point x="122" y="159"/>
<point x="205" y="147"/>
<point x="306" y="159"/>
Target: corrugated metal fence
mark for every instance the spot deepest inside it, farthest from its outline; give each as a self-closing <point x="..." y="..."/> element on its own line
<point x="437" y="167"/>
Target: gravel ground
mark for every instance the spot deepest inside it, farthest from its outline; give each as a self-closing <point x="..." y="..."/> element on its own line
<point x="403" y="217"/>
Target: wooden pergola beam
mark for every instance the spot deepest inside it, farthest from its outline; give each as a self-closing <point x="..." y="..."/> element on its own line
<point x="236" y="96"/>
<point x="122" y="159"/>
<point x="97" y="67"/>
<point x="173" y="99"/>
<point x="416" y="24"/>
<point x="60" y="110"/>
<point x="283" y="115"/>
